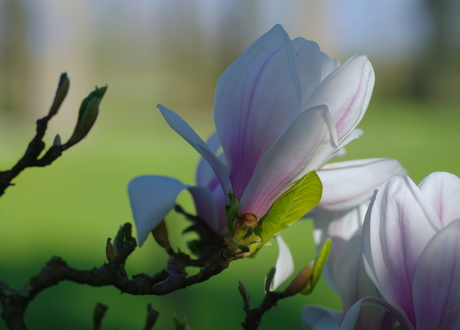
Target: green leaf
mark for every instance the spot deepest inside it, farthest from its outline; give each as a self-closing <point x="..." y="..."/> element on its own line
<point x="231" y="211"/>
<point x="61" y="93"/>
<point x="303" y="196"/>
<point x="318" y="267"/>
<point x="89" y="110"/>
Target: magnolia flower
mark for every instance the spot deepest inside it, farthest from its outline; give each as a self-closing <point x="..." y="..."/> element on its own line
<point x="347" y="190"/>
<point x="281" y="110"/>
<point x="411" y="250"/>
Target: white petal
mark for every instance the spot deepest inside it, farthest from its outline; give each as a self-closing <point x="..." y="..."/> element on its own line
<point x="351" y="317"/>
<point x="442" y="189"/>
<point x="395" y="233"/>
<point x="353" y="283"/>
<point x="151" y="198"/>
<point x="181" y="127"/>
<point x="436" y="288"/>
<point x="308" y="58"/>
<point x="348" y="184"/>
<point x="284" y="264"/>
<point x="340" y="227"/>
<point x="347" y="92"/>
<point x="328" y="65"/>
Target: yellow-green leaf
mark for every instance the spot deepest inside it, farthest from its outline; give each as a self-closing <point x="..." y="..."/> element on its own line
<point x="318" y="267"/>
<point x="303" y="196"/>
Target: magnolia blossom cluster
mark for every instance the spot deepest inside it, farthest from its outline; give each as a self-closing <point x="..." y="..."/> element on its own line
<point x="283" y="109"/>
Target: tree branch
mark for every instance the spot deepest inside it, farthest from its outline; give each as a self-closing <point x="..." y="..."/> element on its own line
<point x="112" y="274"/>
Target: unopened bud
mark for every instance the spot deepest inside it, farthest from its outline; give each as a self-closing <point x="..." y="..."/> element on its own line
<point x="300" y="281"/>
<point x="160" y="233"/>
<point x="246" y="220"/>
<point x="57" y="140"/>
<point x="87" y="115"/>
<point x="243" y="291"/>
<point x="109" y="251"/>
<point x="269" y="279"/>
<point x="61" y="93"/>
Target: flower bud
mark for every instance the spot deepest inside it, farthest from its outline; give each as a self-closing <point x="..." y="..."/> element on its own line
<point x="269" y="279"/>
<point x="300" y="281"/>
<point x="109" y="250"/>
<point x="246" y="220"/>
<point x="61" y="93"/>
<point x="87" y="115"/>
<point x="244" y="291"/>
<point x="160" y="233"/>
<point x="57" y="140"/>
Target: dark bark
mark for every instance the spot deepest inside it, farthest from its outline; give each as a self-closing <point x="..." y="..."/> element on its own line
<point x="15" y="302"/>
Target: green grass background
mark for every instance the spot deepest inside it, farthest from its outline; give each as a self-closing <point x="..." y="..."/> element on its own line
<point x="71" y="207"/>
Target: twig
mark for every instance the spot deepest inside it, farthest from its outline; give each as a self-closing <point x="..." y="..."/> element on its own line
<point x="99" y="313"/>
<point x="254" y="316"/>
<point x="30" y="158"/>
<point x="89" y="108"/>
<point x="152" y="316"/>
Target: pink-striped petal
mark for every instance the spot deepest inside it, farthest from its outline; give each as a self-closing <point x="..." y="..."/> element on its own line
<point x="347" y="92"/>
<point x="256" y="98"/>
<point x="350" y="183"/>
<point x="303" y="147"/>
<point x="442" y="189"/>
<point x="436" y="289"/>
<point x="395" y="233"/>
<point x="351" y="318"/>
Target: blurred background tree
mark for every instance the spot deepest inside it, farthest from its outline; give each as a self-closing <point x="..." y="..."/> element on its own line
<point x="172" y="52"/>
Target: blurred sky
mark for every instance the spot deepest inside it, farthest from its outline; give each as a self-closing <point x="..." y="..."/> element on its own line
<point x="99" y="41"/>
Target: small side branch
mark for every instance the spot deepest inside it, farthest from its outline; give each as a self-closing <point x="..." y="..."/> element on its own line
<point x="86" y="117"/>
<point x="99" y="313"/>
<point x="31" y="156"/>
<point x="254" y="316"/>
<point x="152" y="316"/>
